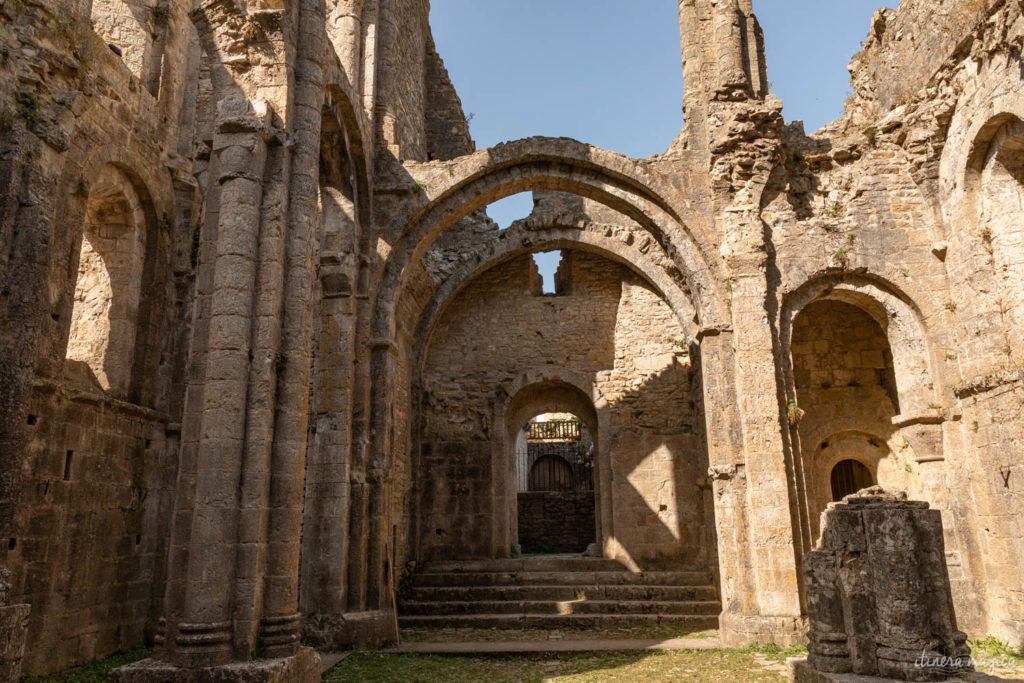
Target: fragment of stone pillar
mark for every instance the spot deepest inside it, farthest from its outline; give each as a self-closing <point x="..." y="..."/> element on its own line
<point x="730" y="49"/>
<point x="13" y="629"/>
<point x="345" y="29"/>
<point x="878" y="592"/>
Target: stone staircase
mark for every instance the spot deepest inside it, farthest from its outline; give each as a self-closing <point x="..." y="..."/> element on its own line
<point x="557" y="593"/>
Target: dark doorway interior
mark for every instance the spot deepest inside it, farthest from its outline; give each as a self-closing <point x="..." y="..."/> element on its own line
<point x="555" y="472"/>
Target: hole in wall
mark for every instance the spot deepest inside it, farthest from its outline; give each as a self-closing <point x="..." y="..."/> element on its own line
<point x="12" y="544"/>
<point x="32" y="420"/>
<point x="507" y="211"/>
<point x="68" y="457"/>
<point x="547" y="265"/>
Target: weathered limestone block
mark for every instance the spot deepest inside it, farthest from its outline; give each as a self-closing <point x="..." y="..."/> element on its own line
<point x="878" y="594"/>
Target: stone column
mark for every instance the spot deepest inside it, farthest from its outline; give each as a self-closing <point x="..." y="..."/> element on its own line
<point x="345" y="28"/>
<point x="383" y="374"/>
<point x="203" y="634"/>
<point x="280" y="626"/>
<point x="773" y="549"/>
<point x="727" y="472"/>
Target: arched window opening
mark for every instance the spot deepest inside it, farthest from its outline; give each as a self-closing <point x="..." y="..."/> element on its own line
<point x="339" y="228"/>
<point x="104" y="319"/>
<point x="848" y="477"/>
<point x="1001" y="219"/>
<point x="554" y="465"/>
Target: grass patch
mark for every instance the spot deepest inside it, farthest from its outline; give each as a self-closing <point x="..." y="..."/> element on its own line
<point x="683" y="665"/>
<point x="774" y="652"/>
<point x="93" y="672"/>
<point x="991" y="647"/>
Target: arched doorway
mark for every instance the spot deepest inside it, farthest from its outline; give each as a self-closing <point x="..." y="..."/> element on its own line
<point x="554" y="466"/>
<point x="552" y="443"/>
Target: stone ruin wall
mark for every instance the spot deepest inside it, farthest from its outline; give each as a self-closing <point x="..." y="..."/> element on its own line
<point x="903" y="207"/>
<point x="906" y="187"/>
<point x="608" y="328"/>
<point x="86" y="503"/>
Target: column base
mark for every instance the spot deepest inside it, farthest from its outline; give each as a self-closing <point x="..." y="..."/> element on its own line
<point x="351" y="631"/>
<point x="302" y="667"/>
<point x="740" y="630"/>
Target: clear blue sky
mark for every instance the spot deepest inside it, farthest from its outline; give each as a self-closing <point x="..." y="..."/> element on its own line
<point x="610" y="74"/>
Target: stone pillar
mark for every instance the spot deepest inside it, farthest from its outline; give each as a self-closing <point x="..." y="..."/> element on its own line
<point x="760" y="598"/>
<point x="727" y="474"/>
<point x="878" y="593"/>
<point x="203" y="635"/>
<point x="345" y="28"/>
<point x="280" y="625"/>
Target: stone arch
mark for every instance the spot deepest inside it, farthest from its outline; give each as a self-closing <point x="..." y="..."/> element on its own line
<point x="542" y="164"/>
<point x="889" y="399"/>
<point x="116" y="254"/>
<point x="918" y="386"/>
<point x="994" y="193"/>
<point x="155" y="193"/>
<point x="340" y="107"/>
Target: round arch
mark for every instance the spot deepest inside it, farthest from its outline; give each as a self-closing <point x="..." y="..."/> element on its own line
<point x="153" y="194"/>
<point x="541" y="164"/>
<point x="918" y="386"/>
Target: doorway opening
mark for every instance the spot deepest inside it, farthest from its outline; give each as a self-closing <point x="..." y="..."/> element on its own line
<point x="554" y="464"/>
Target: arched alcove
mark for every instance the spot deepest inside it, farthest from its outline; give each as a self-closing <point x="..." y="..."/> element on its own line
<point x="859" y="369"/>
<point x="996" y="183"/>
<point x="104" y="320"/>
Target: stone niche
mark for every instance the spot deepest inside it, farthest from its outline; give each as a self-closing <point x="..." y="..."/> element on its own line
<point x="878" y="594"/>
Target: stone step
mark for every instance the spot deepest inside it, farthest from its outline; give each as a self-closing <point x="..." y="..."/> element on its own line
<point x="584" y="578"/>
<point x="561" y="621"/>
<point x="472" y="593"/>
<point x="615" y="607"/>
<point x="526" y="564"/>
